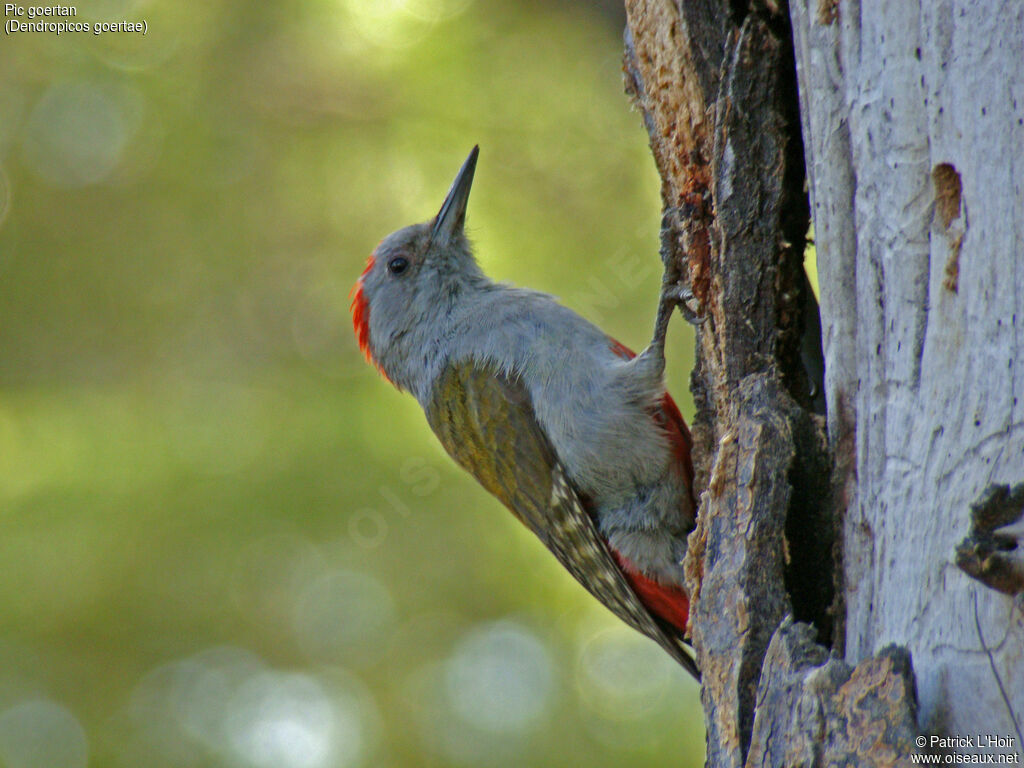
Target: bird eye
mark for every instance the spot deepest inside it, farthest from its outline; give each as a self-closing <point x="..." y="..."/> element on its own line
<point x="398" y="265"/>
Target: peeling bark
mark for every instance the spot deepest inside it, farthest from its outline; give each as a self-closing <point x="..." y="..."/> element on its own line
<point x="717" y="86"/>
<point x="829" y="712"/>
<point x="913" y="118"/>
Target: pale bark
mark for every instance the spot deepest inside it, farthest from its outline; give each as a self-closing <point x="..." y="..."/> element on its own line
<point x="911" y="117"/>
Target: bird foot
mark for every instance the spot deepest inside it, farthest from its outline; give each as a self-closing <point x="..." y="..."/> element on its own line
<point x="673" y="294"/>
<point x="682" y="296"/>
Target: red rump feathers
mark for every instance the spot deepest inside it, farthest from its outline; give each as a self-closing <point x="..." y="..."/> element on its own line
<point x="663" y="600"/>
<point x="671" y="420"/>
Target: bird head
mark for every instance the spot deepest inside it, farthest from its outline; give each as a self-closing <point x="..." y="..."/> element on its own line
<point x="413" y="275"/>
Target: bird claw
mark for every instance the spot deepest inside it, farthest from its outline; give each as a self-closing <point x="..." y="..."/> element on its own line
<point x="673" y="294"/>
<point x="682" y="296"/>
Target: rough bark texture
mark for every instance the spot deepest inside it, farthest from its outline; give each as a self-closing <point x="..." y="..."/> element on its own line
<point x="702" y="82"/>
<point x="913" y="118"/>
<point x="838" y="715"/>
<point x="716" y="83"/>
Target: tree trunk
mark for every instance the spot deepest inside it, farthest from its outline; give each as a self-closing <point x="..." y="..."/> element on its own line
<point x="908" y="120"/>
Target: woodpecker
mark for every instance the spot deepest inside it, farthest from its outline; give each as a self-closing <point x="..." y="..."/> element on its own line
<point x="567" y="427"/>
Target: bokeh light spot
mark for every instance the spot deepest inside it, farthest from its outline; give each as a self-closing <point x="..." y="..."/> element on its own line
<point x="344" y="614"/>
<point x="287" y="721"/>
<point x="78" y="130"/>
<point x="41" y="734"/>
<point x="622" y="675"/>
<point x="500" y="678"/>
<point x="228" y="704"/>
<point x="399" y="23"/>
<point x="203" y="685"/>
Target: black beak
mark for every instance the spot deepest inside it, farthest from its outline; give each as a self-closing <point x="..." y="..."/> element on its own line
<point x="452" y="216"/>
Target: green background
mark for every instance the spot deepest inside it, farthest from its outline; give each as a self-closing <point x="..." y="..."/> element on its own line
<point x="224" y="539"/>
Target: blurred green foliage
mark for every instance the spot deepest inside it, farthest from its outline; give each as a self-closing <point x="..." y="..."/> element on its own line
<point x="225" y="540"/>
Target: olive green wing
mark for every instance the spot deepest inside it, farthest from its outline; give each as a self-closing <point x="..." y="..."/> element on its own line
<point x="485" y="420"/>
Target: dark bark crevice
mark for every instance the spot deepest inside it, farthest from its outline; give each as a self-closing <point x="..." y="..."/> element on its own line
<point x="716" y="82"/>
